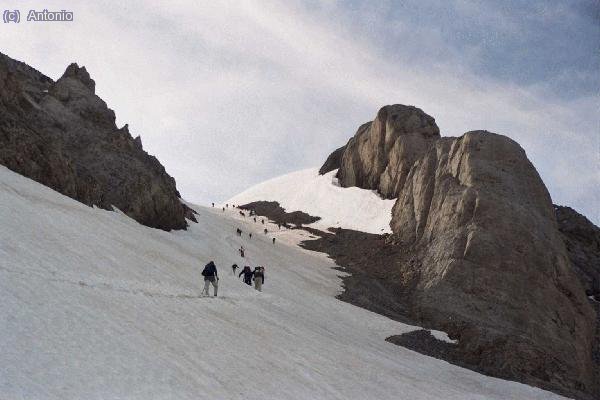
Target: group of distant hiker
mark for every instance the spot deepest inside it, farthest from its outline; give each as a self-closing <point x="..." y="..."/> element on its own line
<point x="211" y="277"/>
<point x="257" y="275"/>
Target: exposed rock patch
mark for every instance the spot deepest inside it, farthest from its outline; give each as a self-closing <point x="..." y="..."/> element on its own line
<point x="422" y="341"/>
<point x="277" y="214"/>
<point x="64" y="136"/>
<point x="370" y="262"/>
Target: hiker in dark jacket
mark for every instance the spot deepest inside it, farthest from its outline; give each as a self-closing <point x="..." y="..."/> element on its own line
<point x="234" y="267"/>
<point x="242" y="251"/>
<point x="210" y="276"/>
<point x="259" y="278"/>
<point x="247" y="272"/>
<point x="273" y="240"/>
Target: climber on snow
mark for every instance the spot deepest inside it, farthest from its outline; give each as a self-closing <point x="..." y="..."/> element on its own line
<point x="210" y="277"/>
<point x="247" y="272"/>
<point x="259" y="278"/>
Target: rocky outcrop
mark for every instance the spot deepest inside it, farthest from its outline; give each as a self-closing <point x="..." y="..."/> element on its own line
<point x="64" y="136"/>
<point x="582" y="240"/>
<point x="482" y="233"/>
<point x="333" y="161"/>
<point x="381" y="153"/>
<point x="476" y="249"/>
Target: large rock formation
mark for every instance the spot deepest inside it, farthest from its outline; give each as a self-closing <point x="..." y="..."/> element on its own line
<point x="381" y="153"/>
<point x="481" y="254"/>
<point x="64" y="136"/>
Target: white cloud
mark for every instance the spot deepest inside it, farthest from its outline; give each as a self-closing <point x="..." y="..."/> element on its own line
<point x="227" y="94"/>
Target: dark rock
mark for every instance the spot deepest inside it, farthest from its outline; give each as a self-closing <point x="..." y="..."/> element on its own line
<point x="64" y="136"/>
<point x="582" y="240"/>
<point x="422" y="341"/>
<point x="277" y="214"/>
<point x="333" y="161"/>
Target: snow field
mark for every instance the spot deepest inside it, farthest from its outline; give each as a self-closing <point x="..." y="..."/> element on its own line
<point x="321" y="196"/>
<point x="96" y="306"/>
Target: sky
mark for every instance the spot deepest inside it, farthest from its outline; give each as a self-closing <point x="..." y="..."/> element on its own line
<point x="229" y="94"/>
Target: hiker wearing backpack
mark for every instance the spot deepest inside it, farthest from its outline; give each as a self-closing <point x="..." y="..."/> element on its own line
<point x="259" y="278"/>
<point x="242" y="251"/>
<point x="247" y="272"/>
<point x="234" y="267"/>
<point x="210" y="276"/>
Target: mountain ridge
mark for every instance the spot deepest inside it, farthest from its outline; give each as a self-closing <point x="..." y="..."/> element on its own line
<point x="63" y="135"/>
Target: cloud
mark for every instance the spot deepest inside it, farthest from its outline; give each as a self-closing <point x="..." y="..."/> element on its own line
<point x="227" y="94"/>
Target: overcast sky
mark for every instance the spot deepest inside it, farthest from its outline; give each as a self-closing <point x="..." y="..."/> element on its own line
<point x="228" y="94"/>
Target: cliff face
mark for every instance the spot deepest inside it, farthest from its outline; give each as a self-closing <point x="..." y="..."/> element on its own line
<point x="380" y="154"/>
<point x="482" y="258"/>
<point x="582" y="239"/>
<point x="480" y="222"/>
<point x="64" y="136"/>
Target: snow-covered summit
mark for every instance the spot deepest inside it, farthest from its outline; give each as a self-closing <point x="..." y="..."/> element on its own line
<point x="321" y="196"/>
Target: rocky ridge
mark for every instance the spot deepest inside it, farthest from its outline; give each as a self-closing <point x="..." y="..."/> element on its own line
<point x="64" y="136"/>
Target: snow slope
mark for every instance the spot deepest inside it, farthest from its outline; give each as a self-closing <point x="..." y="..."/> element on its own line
<point x="96" y="306"/>
<point x="321" y="196"/>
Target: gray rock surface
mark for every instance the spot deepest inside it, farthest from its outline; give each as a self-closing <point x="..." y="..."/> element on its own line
<point x="381" y="153"/>
<point x="480" y="225"/>
<point x="479" y="252"/>
<point x="64" y="136"/>
<point x="582" y="239"/>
